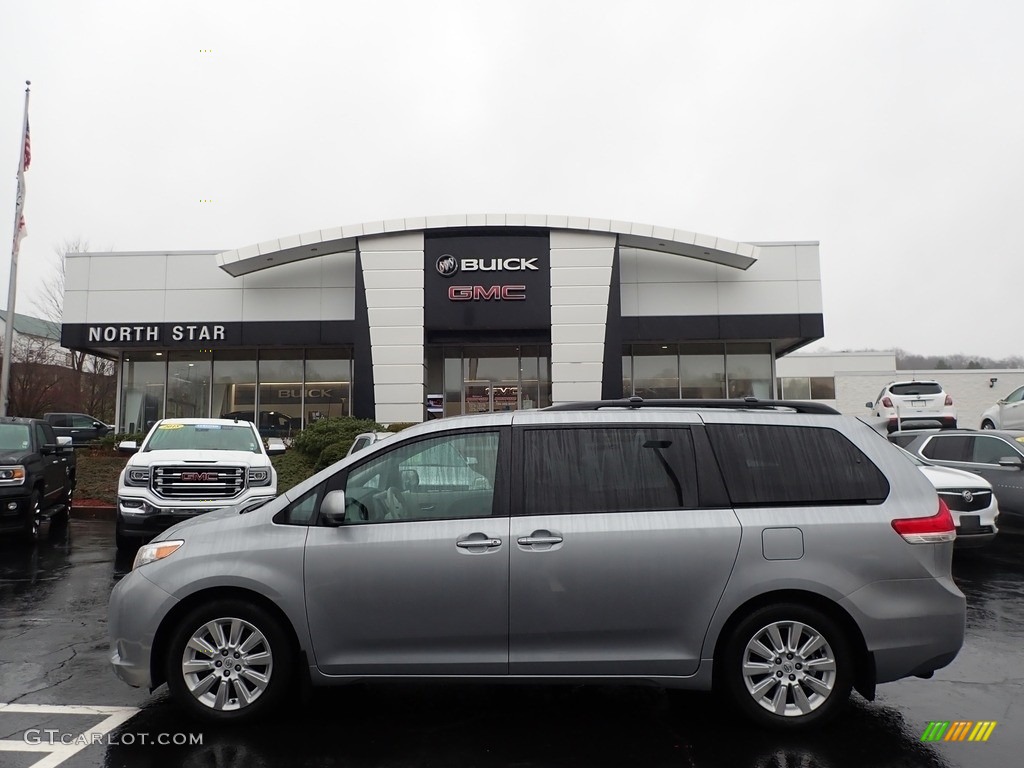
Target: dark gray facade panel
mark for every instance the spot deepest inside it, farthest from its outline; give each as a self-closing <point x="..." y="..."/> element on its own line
<point x="364" y="405"/>
<point x="611" y="371"/>
<point x="671" y="328"/>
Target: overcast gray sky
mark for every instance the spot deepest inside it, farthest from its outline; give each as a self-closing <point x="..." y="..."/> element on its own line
<point x="889" y="131"/>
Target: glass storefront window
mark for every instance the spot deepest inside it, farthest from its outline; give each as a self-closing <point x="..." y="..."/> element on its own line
<point x="188" y="385"/>
<point x="482" y="379"/>
<point x="142" y="390"/>
<point x="655" y="371"/>
<point x="281" y="397"/>
<point x="795" y="388"/>
<point x="234" y="384"/>
<point x="328" y="385"/>
<point x="749" y="369"/>
<point x="702" y="369"/>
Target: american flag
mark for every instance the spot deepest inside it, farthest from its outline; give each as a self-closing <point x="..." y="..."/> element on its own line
<point x="28" y="147"/>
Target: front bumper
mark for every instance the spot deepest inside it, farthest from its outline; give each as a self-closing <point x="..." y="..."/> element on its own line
<point x="14" y="509"/>
<point x="146" y="521"/>
<point x="137" y="607"/>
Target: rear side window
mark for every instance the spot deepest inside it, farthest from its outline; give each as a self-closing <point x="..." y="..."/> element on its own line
<point x="916" y="388"/>
<point x="949" y="448"/>
<point x="607" y="470"/>
<point x="767" y="465"/>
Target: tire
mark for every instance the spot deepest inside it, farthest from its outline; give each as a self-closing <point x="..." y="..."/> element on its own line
<point x="778" y="691"/>
<point x="125" y="544"/>
<point x="233" y="631"/>
<point x="35" y="518"/>
<point x="986" y="424"/>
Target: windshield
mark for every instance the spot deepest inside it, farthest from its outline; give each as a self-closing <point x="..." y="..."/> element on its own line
<point x="13" y="437"/>
<point x="916" y="461"/>
<point x="203" y="437"/>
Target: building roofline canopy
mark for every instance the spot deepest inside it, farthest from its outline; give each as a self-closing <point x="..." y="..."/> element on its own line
<point x="286" y="250"/>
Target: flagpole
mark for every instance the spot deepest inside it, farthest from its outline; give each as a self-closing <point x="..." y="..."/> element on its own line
<point x="12" y="288"/>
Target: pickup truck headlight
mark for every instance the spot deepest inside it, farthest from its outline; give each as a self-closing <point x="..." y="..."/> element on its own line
<point x="12" y="475"/>
<point x="138" y="477"/>
<point x="259" y="476"/>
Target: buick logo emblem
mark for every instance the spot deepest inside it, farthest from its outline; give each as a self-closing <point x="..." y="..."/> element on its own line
<point x="967" y="496"/>
<point x="447" y="265"/>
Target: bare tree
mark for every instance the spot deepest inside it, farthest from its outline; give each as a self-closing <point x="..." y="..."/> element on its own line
<point x="95" y="376"/>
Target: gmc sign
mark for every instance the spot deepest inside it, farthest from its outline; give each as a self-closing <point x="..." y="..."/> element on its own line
<point x="488" y="293"/>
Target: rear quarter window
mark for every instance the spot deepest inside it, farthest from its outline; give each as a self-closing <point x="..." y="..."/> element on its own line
<point x="779" y="465"/>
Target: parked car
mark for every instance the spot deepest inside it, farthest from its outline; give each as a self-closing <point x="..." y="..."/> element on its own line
<point x="38" y="473"/>
<point x="270" y="424"/>
<point x="778" y="552"/>
<point x="1008" y="413"/>
<point x="188" y="467"/>
<point x="969" y="498"/>
<point x="80" y="427"/>
<point x="996" y="455"/>
<point x="905" y="403"/>
<point x="366" y="439"/>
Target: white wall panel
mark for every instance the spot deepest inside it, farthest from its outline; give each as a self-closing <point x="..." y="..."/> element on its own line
<point x="186" y="271"/>
<point x="777" y="262"/>
<point x="579" y="313"/>
<point x="400" y="393"/>
<point x="577" y="372"/>
<point x="387" y="316"/>
<point x="126" y="306"/>
<point x="338" y="304"/>
<point x="76" y="273"/>
<point x="398" y="413"/>
<point x="571" y="391"/>
<point x="808" y="263"/>
<point x="676" y="299"/>
<point x="561" y="276"/>
<point x="397" y="354"/>
<point x="307" y="273"/>
<point x="398" y="374"/>
<point x="809" y="297"/>
<point x="187" y="305"/>
<point x="577" y="334"/>
<point x="405" y="241"/>
<point x="128" y="272"/>
<point x="778" y="297"/>
<point x="572" y="239"/>
<point x="393" y="278"/>
<point x="76" y="306"/>
<point x="339" y="270"/>
<point x="654" y="267"/>
<point x="397" y="335"/>
<point x="579" y="294"/>
<point x="391" y="260"/>
<point x="281" y="304"/>
<point x="577" y="353"/>
<point x="377" y="298"/>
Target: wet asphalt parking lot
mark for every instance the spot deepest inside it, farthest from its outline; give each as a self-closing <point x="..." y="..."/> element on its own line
<point x="60" y="705"/>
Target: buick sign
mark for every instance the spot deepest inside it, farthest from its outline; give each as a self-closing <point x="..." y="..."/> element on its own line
<point x="447" y="265"/>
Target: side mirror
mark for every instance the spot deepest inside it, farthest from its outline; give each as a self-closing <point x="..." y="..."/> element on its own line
<point x="332" y="508"/>
<point x="65" y="444"/>
<point x="1011" y="462"/>
<point x="869" y="405"/>
<point x="276" y="449"/>
<point x="471" y="461"/>
<point x="127" y="446"/>
<point x="97" y="425"/>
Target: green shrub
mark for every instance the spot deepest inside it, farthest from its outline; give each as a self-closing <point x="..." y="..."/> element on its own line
<point x="292" y="468"/>
<point x="332" y="453"/>
<point x="342" y="431"/>
<point x="398" y="426"/>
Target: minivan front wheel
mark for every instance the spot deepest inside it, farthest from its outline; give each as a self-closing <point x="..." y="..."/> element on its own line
<point x="229" y="661"/>
<point x="788" y="666"/>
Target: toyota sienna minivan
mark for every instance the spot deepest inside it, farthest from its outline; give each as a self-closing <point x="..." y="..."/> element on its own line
<point x="778" y="552"/>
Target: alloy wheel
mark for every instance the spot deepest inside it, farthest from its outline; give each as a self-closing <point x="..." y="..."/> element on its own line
<point x="227" y="664"/>
<point x="789" y="668"/>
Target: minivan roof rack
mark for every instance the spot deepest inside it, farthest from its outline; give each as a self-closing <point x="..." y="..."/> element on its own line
<point x="745" y="403"/>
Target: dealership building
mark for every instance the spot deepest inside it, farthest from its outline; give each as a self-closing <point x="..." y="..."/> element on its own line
<point x="409" y="319"/>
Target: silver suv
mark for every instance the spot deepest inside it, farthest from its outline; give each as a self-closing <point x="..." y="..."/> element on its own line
<point x="779" y="552"/>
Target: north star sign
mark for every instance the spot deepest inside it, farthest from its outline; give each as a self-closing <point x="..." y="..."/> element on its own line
<point x="123" y="333"/>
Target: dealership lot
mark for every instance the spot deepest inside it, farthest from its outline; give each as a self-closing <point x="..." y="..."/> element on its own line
<point x="66" y="708"/>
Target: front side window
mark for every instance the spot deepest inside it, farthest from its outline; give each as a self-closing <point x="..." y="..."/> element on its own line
<point x="1016" y="396"/>
<point x="441" y="478"/>
<point x="608" y="469"/>
<point x="81" y="422"/>
<point x="13" y="437"/>
<point x="989" y="450"/>
<point x="767" y="464"/>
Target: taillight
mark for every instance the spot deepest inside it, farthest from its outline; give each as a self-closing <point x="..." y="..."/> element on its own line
<point x="927" y="530"/>
<point x="886" y="402"/>
<point x="949" y="399"/>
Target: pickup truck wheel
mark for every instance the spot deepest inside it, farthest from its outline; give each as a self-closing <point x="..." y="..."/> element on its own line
<point x="124" y="543"/>
<point x="229" y="661"/>
<point x="35" y="518"/>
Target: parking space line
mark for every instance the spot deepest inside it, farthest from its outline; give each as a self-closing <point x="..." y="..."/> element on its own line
<point x="58" y="753"/>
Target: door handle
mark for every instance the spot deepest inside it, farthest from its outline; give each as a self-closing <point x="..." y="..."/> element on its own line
<point x="526" y="541"/>
<point x="470" y="543"/>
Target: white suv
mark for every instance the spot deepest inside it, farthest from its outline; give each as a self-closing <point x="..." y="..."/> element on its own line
<point x="919" y="402"/>
<point x="186" y="467"/>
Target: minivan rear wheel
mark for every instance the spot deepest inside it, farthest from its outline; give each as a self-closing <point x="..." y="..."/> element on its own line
<point x="788" y="666"/>
<point x="229" y="661"/>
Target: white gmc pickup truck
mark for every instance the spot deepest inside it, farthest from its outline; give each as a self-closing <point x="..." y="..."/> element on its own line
<point x="186" y="467"/>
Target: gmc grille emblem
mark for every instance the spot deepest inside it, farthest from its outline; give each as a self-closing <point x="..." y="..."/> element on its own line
<point x="199" y="477"/>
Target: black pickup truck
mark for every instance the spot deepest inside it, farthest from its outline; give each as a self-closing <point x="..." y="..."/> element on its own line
<point x="80" y="427"/>
<point x="37" y="476"/>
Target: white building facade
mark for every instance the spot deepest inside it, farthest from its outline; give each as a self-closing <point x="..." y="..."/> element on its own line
<point x="418" y="318"/>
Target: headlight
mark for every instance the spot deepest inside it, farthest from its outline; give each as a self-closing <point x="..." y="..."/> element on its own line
<point x="259" y="476"/>
<point x="157" y="550"/>
<point x="12" y="475"/>
<point x="137" y="477"/>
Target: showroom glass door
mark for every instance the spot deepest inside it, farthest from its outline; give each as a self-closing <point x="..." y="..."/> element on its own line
<point x="487" y="378"/>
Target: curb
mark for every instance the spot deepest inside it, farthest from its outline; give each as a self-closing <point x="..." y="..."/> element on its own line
<point x="93" y="513"/>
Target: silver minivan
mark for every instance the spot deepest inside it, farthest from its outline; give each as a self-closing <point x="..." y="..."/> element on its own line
<point x="778" y="552"/>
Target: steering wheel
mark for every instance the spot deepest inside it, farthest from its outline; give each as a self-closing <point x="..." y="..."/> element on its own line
<point x="397" y="505"/>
